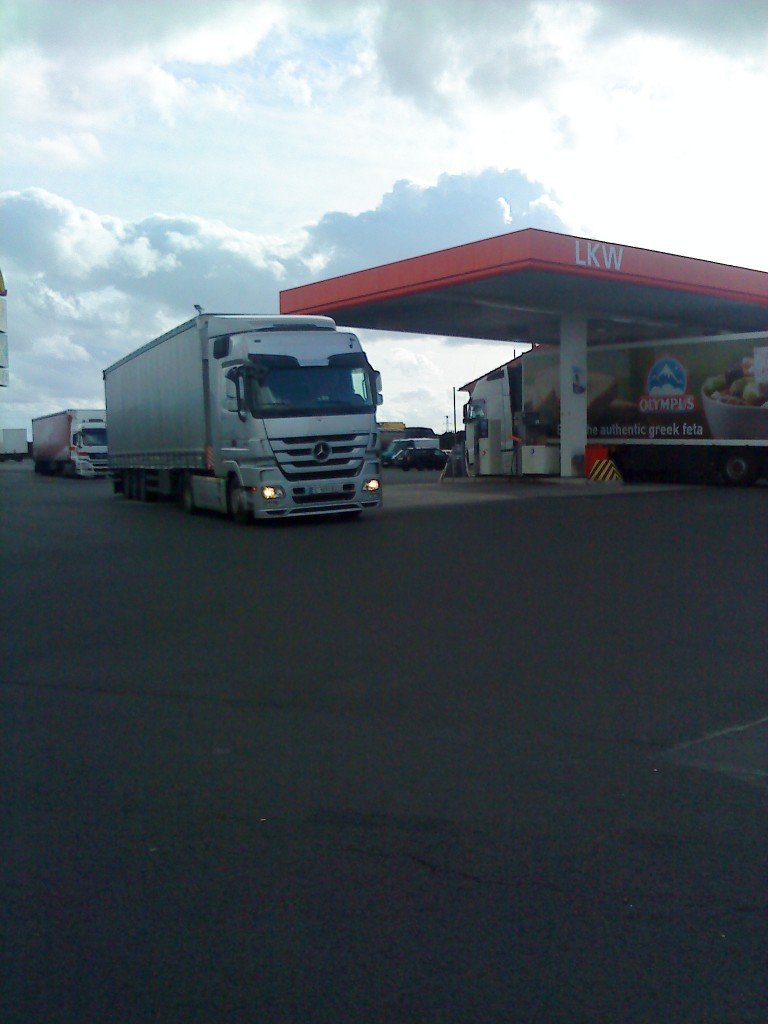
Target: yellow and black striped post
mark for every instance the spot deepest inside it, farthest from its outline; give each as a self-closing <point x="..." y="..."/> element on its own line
<point x="604" y="469"/>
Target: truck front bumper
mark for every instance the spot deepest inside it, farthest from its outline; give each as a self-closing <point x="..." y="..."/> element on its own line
<point x="272" y="496"/>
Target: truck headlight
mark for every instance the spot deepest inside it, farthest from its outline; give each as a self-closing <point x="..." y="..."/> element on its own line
<point x="371" y="485"/>
<point x="270" y="493"/>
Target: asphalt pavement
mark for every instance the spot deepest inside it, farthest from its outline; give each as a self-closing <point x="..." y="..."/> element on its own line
<point x="491" y="755"/>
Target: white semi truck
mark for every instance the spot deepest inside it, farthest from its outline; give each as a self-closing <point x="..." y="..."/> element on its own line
<point x="680" y="409"/>
<point x="13" y="444"/>
<point x="71" y="443"/>
<point x="252" y="416"/>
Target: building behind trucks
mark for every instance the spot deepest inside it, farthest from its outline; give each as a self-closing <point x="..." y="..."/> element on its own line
<point x="686" y="409"/>
<point x="71" y="443"/>
<point x="13" y="444"/>
<point x="252" y="416"/>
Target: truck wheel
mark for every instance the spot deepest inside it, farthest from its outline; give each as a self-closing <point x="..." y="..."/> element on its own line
<point x="235" y="504"/>
<point x="739" y="469"/>
<point x="187" y="496"/>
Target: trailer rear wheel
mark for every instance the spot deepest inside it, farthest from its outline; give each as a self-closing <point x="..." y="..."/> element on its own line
<point x="187" y="495"/>
<point x="739" y="468"/>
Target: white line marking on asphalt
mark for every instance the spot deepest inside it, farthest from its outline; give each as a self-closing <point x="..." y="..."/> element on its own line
<point x="717" y="735"/>
<point x="740" y="751"/>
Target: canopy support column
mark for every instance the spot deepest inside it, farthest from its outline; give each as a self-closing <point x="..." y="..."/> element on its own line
<point x="573" y="394"/>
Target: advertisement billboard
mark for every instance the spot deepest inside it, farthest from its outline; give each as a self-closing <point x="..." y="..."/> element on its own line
<point x="684" y="391"/>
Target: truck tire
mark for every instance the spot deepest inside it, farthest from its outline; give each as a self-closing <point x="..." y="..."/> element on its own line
<point x="235" y="509"/>
<point x="739" y="468"/>
<point x="141" y="485"/>
<point x="187" y="495"/>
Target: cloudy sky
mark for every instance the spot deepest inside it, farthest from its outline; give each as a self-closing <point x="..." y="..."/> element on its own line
<point x="161" y="153"/>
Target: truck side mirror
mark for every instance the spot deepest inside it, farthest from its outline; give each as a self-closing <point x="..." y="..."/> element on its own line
<point x="221" y="346"/>
<point x="236" y="376"/>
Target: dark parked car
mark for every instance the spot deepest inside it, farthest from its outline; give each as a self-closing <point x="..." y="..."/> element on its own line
<point x="420" y="458"/>
<point x="389" y="455"/>
<point x="394" y="449"/>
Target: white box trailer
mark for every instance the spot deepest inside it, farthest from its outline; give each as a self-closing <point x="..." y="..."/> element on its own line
<point x="678" y="409"/>
<point x="13" y="444"/>
<point x="256" y="416"/>
<point x="71" y="443"/>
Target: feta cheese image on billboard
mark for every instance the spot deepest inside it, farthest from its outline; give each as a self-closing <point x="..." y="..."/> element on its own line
<point x="735" y="402"/>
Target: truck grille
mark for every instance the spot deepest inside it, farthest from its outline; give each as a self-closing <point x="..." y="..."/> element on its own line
<point x="320" y="458"/>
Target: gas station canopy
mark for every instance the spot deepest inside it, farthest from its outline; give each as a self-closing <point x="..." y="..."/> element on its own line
<point x="519" y="286"/>
<point x="547" y="289"/>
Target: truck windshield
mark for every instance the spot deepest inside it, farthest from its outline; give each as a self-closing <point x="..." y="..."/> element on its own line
<point x="94" y="437"/>
<point x="308" y="390"/>
<point x="474" y="410"/>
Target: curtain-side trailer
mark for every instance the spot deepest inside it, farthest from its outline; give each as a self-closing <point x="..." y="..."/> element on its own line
<point x="253" y="416"/>
<point x="680" y="409"/>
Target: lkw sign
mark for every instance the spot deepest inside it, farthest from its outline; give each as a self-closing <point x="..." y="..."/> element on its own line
<point x="598" y="255"/>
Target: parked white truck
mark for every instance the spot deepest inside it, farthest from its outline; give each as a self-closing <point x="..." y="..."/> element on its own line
<point x="252" y="416"/>
<point x="71" y="443"/>
<point x="680" y="409"/>
<point x="13" y="444"/>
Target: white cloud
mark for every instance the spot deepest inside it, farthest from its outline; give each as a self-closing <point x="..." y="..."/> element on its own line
<point x="411" y="361"/>
<point x="740" y="28"/>
<point x="113" y="284"/>
<point x="232" y="33"/>
<point x="506" y="211"/>
<point x="106" y="25"/>
<point x="164" y="153"/>
<point x="60" y="347"/>
<point x="141" y="260"/>
<point x="23" y="79"/>
<point x="67" y="151"/>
